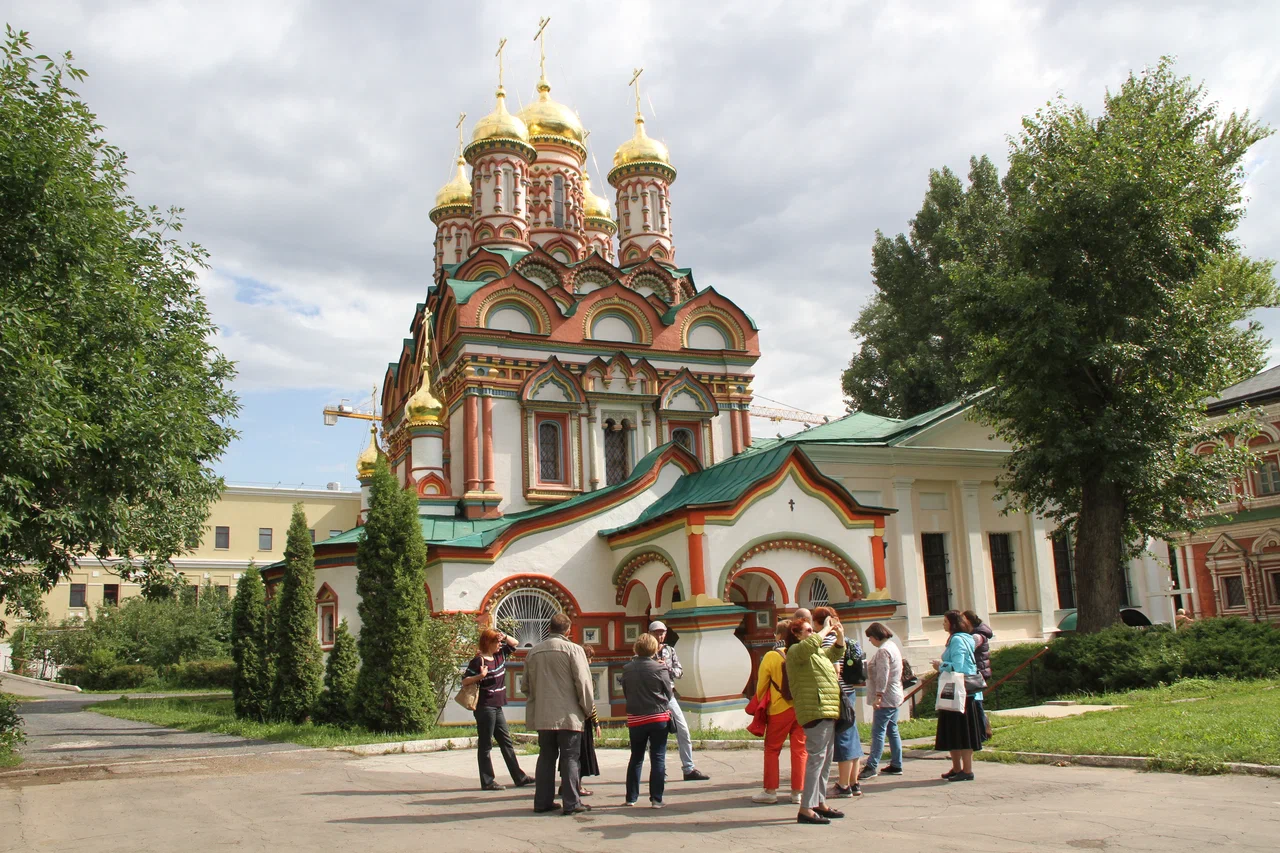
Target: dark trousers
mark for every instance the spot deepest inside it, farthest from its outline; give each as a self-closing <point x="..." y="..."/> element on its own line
<point x="491" y="725"/>
<point x="651" y="737"/>
<point x="563" y="748"/>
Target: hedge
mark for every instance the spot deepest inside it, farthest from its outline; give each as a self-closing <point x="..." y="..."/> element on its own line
<point x="120" y="677"/>
<point x="201" y="673"/>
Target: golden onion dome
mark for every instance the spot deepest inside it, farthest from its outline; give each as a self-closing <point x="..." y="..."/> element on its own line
<point x="423" y="408"/>
<point x="640" y="148"/>
<point x="369" y="457"/>
<point x="500" y="124"/>
<point x="458" y="190"/>
<point x="594" y="206"/>
<point x="545" y="117"/>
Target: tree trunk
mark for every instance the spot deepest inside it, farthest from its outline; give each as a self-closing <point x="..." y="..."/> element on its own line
<point x="1099" y="556"/>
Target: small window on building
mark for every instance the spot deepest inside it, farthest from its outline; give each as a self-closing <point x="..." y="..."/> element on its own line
<point x="222" y="538"/>
<point x="312" y="531"/>
<point x="1064" y="570"/>
<point x="1269" y="478"/>
<point x="111" y="593"/>
<point x="1233" y="592"/>
<point x="616" y="463"/>
<point x="550" y="445"/>
<point x="325" y="624"/>
<point x="937" y="585"/>
<point x="1002" y="571"/>
<point x="558" y="208"/>
<point x="77" y="595"/>
<point x="509" y="189"/>
<point x="333" y="533"/>
<point x="1275" y="588"/>
<point x="264" y="538"/>
<point x="223" y="591"/>
<point x="684" y="437"/>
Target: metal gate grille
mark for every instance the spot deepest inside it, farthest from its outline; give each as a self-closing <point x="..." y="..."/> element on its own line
<point x="615" y="456"/>
<point x="530" y="610"/>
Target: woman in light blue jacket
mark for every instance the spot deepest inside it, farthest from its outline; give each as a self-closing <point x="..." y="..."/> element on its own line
<point x="959" y="733"/>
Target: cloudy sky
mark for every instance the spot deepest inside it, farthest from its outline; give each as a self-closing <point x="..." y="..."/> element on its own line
<point x="306" y="141"/>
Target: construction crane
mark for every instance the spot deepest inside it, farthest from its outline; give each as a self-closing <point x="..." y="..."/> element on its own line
<point x="344" y="409"/>
<point x="777" y="415"/>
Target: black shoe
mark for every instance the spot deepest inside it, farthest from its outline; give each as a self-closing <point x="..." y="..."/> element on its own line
<point x="578" y="809"/>
<point x="801" y="817"/>
<point x="891" y="771"/>
<point x="492" y="786"/>
<point x="696" y="775"/>
<point x="528" y="780"/>
<point x="949" y="774"/>
<point x="829" y="813"/>
<point x="960" y="777"/>
<point x="549" y="808"/>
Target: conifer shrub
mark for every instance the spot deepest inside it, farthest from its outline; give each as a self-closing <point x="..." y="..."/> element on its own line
<point x="299" y="669"/>
<point x="250" y="649"/>
<point x="340" y="674"/>
<point x="393" y="691"/>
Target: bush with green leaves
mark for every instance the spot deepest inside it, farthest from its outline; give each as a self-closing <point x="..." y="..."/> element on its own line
<point x="299" y="668"/>
<point x="211" y="674"/>
<point x="340" y="674"/>
<point x="251" y="648"/>
<point x="11" y="735"/>
<point x="394" y="690"/>
<point x="451" y="643"/>
<point x="100" y="675"/>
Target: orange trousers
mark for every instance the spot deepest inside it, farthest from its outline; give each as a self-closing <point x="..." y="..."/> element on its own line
<point x="779" y="727"/>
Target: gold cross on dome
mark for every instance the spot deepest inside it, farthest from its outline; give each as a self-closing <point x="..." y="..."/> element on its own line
<point x="461" y="118"/>
<point x="635" y="81"/>
<point x="501" y="46"/>
<point x="541" y="39"/>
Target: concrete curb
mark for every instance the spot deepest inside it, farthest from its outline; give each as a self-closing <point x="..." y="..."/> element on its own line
<point x="1126" y="762"/>
<point x="113" y="766"/>
<point x="409" y="746"/>
<point x="53" y="685"/>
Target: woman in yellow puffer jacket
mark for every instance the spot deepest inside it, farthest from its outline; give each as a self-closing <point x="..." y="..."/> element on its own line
<point x="782" y="722"/>
<point x="815" y="694"/>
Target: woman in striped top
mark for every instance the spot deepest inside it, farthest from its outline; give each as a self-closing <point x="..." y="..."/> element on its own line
<point x="648" y="688"/>
<point x="489" y="670"/>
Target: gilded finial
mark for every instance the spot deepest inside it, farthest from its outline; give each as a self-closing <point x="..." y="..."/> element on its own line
<point x="501" y="46"/>
<point x="541" y="38"/>
<point x="461" y="118"/>
<point x="635" y="81"/>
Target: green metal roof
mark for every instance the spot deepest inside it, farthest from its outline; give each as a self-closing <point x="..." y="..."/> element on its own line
<point x="435" y="528"/>
<point x="862" y="428"/>
<point x="463" y="290"/>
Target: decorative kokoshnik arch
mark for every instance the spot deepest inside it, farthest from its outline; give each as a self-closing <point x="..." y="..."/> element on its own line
<point x="849" y="575"/>
<point x="541" y="582"/>
<point x="622" y="576"/>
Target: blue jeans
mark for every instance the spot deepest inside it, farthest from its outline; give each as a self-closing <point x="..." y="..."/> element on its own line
<point x="885" y="720"/>
<point x="651" y="736"/>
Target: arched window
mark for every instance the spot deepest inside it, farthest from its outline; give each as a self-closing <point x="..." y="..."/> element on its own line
<point x="550" y="444"/>
<point x="326" y="616"/>
<point x="509" y="189"/>
<point x="683" y="437"/>
<point x="526" y="613"/>
<point x="818" y="594"/>
<point x="616" y="463"/>
<point x="558" y="206"/>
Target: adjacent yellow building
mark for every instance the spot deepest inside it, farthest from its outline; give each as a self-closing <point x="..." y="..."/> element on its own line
<point x="249" y="523"/>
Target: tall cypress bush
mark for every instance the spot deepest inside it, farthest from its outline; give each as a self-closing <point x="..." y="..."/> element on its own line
<point x="299" y="667"/>
<point x="393" y="692"/>
<point x="251" y="685"/>
<point x="340" y="674"/>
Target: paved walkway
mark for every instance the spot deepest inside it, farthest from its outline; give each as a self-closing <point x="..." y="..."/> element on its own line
<point x="1053" y="712"/>
<point x="324" y="800"/>
<point x="60" y="732"/>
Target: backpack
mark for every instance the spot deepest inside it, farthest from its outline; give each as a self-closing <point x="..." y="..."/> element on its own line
<point x="908" y="677"/>
<point x="855" y="666"/>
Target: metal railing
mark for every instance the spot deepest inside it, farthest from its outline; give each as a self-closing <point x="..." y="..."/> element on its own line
<point x="43" y="669"/>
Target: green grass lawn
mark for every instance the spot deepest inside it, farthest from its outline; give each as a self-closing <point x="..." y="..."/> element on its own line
<point x="202" y="714"/>
<point x="1192" y="725"/>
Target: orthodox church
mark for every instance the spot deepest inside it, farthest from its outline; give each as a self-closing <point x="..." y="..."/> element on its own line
<point x="571" y="408"/>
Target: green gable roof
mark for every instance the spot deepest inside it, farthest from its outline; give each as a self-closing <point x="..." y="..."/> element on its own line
<point x="860" y="428"/>
<point x="463" y="290"/>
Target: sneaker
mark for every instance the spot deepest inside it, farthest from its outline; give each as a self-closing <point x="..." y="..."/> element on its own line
<point x="655" y="804"/>
<point x="870" y="772"/>
<point x="855" y="790"/>
<point x="797" y="797"/>
<point x="629" y="803"/>
<point x="765" y="797"/>
<point x="891" y="771"/>
<point x="842" y="792"/>
<point x="696" y="775"/>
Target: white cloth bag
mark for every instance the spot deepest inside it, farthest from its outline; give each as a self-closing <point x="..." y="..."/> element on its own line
<point x="951" y="694"/>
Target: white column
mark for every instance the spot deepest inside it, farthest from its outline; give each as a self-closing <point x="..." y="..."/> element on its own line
<point x="972" y="513"/>
<point x="909" y="561"/>
<point x="593" y="438"/>
<point x="1041" y="551"/>
<point x="646" y="431"/>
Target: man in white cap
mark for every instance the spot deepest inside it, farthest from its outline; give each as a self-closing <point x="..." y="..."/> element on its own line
<point x="667" y="657"/>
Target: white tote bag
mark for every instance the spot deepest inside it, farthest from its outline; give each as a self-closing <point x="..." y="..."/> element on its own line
<point x="951" y="693"/>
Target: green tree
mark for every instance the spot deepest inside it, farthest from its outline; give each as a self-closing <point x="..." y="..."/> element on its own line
<point x="115" y="403"/>
<point x="298" y="660"/>
<point x="340" y="674"/>
<point x="393" y="692"/>
<point x="908" y="359"/>
<point x="1113" y="302"/>
<point x="251" y="689"/>
<point x="451" y="643"/>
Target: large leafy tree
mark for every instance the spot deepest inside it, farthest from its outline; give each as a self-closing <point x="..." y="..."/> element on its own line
<point x="113" y="402"/>
<point x="393" y="692"/>
<point x="251" y="686"/>
<point x="1112" y="303"/>
<point x="908" y="359"/>
<point x="299" y="663"/>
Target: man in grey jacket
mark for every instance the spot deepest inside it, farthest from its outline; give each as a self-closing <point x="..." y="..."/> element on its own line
<point x="559" y="700"/>
<point x="668" y="658"/>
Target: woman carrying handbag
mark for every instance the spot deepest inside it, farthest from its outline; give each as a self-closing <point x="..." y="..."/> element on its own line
<point x="772" y="688"/>
<point x="960" y="732"/>
<point x="487" y="675"/>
